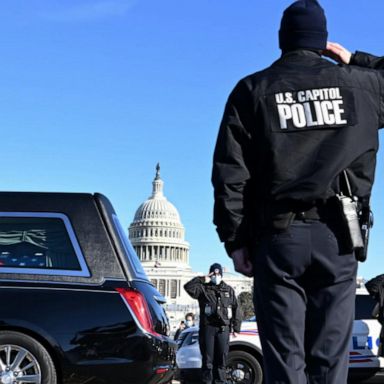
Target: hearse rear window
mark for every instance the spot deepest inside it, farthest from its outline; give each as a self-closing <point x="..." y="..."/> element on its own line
<point x="129" y="251"/>
<point x="41" y="243"/>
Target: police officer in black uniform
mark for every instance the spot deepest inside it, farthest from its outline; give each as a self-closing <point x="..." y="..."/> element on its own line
<point x="291" y="136"/>
<point x="219" y="316"/>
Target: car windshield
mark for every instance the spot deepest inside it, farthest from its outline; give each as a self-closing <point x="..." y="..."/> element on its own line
<point x="181" y="338"/>
<point x="190" y="338"/>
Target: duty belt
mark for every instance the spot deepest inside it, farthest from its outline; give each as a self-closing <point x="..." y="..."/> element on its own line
<point x="280" y="214"/>
<point x="310" y="214"/>
<point x="316" y="210"/>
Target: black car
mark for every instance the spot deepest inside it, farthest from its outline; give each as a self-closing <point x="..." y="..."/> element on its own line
<point x="76" y="305"/>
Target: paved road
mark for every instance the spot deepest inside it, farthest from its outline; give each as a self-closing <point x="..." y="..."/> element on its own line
<point x="377" y="380"/>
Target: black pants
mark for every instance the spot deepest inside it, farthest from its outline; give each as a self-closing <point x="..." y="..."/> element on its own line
<point x="304" y="301"/>
<point x="214" y="345"/>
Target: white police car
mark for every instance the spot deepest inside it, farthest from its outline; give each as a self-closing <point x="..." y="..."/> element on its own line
<point x="363" y="359"/>
<point x="246" y="358"/>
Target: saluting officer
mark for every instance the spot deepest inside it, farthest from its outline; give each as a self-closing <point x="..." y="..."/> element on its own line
<point x="287" y="135"/>
<point x="219" y="316"/>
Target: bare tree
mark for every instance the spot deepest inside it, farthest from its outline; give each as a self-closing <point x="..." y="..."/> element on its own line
<point x="245" y="300"/>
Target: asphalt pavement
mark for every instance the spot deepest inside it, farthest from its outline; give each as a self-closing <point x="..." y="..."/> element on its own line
<point x="379" y="379"/>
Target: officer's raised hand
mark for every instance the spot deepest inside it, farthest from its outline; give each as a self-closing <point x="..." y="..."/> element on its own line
<point x="338" y="53"/>
<point x="242" y="262"/>
<point x="208" y="277"/>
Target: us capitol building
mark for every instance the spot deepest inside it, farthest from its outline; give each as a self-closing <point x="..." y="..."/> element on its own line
<point x="158" y="237"/>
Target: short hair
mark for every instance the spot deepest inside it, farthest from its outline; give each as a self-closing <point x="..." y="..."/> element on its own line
<point x="190" y="314"/>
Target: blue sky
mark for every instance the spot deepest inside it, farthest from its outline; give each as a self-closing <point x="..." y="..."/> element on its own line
<point x="94" y="93"/>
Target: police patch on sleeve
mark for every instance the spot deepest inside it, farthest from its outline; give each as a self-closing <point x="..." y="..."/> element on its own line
<point x="319" y="108"/>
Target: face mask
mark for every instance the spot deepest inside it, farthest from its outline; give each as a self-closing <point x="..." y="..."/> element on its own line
<point x="216" y="279"/>
<point x="189" y="323"/>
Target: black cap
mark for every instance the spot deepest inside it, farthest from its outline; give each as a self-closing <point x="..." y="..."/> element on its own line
<point x="303" y="25"/>
<point x="216" y="266"/>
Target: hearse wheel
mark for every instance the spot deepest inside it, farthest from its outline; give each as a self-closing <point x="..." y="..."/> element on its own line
<point x="24" y="360"/>
<point x="243" y="368"/>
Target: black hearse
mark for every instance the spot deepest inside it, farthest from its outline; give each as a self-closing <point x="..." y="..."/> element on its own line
<point x="76" y="305"/>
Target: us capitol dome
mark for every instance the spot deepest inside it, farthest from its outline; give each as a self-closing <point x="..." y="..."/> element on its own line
<point x="157" y="233"/>
<point x="158" y="237"/>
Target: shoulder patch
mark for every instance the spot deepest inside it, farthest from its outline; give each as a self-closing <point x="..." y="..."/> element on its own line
<point x="308" y="109"/>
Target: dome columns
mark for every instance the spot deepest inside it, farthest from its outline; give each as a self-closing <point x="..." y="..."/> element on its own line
<point x="162" y="253"/>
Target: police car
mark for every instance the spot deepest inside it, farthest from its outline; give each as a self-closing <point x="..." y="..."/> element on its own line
<point x="245" y="354"/>
<point x="363" y="359"/>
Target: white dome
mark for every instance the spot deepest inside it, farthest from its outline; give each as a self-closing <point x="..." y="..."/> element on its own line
<point x="157" y="222"/>
<point x="156" y="232"/>
<point x="156" y="208"/>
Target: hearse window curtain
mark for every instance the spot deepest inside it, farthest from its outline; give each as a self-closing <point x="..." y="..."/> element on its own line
<point x="50" y="235"/>
<point x="33" y="236"/>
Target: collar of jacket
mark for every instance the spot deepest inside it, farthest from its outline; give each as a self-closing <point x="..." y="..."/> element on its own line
<point x="217" y="286"/>
<point x="299" y="55"/>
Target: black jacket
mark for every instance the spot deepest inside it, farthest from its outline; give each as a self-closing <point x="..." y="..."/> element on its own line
<point x="287" y="134"/>
<point x="375" y="288"/>
<point x="218" y="303"/>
